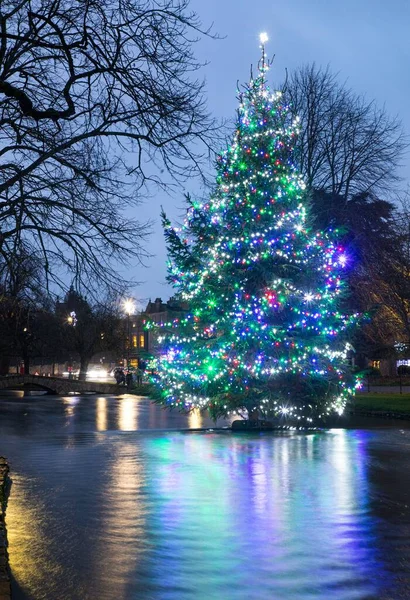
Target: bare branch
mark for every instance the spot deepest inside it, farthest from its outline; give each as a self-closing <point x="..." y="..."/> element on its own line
<point x="347" y="146"/>
<point x="98" y="98"/>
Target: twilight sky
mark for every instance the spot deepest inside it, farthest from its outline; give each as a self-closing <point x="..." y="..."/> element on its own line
<point x="366" y="41"/>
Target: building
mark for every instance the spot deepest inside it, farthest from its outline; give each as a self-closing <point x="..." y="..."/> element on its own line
<point x="143" y="341"/>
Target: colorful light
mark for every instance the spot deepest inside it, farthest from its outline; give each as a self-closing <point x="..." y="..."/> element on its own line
<point x="263" y="331"/>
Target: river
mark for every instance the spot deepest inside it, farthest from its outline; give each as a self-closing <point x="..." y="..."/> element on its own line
<point x="116" y="499"/>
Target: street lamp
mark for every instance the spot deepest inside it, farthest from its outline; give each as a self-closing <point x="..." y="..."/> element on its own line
<point x="129" y="309"/>
<point x="72" y="319"/>
<point x="72" y="322"/>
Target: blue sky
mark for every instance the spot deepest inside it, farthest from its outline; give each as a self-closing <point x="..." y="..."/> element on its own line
<point x="366" y="41"/>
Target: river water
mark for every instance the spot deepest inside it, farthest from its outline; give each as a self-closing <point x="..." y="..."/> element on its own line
<point x="114" y="498"/>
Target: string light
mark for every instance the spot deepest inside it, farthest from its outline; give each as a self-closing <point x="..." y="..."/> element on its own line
<point x="263" y="330"/>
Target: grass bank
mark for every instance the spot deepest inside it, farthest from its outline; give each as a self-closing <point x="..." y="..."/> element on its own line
<point x="383" y="401"/>
<point x="139" y="390"/>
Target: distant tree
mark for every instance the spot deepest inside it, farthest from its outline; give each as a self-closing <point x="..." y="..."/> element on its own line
<point x="348" y="145"/>
<point x="88" y="329"/>
<point x="97" y="98"/>
<point x="385" y="290"/>
<point x="14" y="331"/>
<point x="48" y="338"/>
<point x="22" y="298"/>
<point x="349" y="151"/>
<point x="366" y="226"/>
<point x="368" y="229"/>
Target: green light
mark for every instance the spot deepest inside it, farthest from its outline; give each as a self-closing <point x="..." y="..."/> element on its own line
<point x="244" y="266"/>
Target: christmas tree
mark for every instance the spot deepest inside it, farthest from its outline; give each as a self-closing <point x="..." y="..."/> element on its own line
<point x="263" y="333"/>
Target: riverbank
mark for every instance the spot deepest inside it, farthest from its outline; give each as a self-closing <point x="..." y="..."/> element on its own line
<point x="143" y="389"/>
<point x="5" y="588"/>
<point x="383" y="404"/>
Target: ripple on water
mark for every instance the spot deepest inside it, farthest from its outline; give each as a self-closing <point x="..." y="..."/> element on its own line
<point x="102" y="508"/>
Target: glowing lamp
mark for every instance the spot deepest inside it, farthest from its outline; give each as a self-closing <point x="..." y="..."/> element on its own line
<point x="129" y="307"/>
<point x="263" y="37"/>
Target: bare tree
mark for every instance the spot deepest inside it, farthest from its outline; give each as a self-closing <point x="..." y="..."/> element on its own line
<point x="22" y="299"/>
<point x="347" y="145"/>
<point x="92" y="328"/>
<point x="97" y="98"/>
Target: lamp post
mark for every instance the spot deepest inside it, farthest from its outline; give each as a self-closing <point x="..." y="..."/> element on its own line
<point x="72" y="322"/>
<point x="129" y="309"/>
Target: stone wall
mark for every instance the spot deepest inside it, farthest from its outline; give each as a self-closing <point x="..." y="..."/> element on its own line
<point x="5" y="589"/>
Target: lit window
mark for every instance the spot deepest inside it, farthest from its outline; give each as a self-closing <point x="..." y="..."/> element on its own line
<point x="134" y="341"/>
<point x="142" y="340"/>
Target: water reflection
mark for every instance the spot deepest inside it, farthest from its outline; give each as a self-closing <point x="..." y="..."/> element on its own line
<point x="195" y="419"/>
<point x="75" y="414"/>
<point x="70" y="402"/>
<point x="100" y="509"/>
<point x="101" y="414"/>
<point x="31" y="559"/>
<point x="127" y="416"/>
<point x="122" y="525"/>
<point x="258" y="507"/>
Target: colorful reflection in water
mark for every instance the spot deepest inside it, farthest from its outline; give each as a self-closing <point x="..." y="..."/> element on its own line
<point x="100" y="510"/>
<point x="267" y="517"/>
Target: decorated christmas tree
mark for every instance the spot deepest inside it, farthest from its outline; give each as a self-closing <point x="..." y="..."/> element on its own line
<point x="262" y="334"/>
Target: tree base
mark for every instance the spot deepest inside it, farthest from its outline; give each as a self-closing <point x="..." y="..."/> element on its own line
<point x="253" y="425"/>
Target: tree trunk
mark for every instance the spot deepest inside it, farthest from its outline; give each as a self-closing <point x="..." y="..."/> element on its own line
<point x="84" y="362"/>
<point x="253" y="415"/>
<point x="4" y="365"/>
<point x="26" y="365"/>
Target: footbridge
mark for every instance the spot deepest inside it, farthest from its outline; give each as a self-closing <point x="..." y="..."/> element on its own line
<point x="58" y="385"/>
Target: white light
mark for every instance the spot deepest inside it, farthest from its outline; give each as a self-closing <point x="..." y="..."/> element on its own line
<point x="97" y="373"/>
<point x="71" y="319"/>
<point x="263" y="37"/>
<point x="128" y="306"/>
